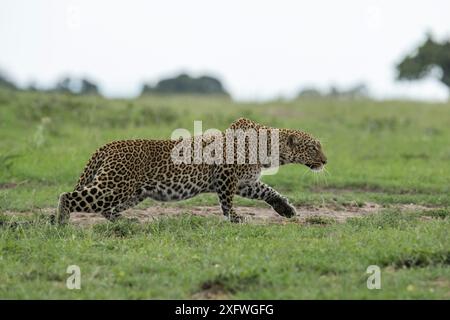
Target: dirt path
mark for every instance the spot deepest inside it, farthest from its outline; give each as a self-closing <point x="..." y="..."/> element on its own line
<point x="252" y="214"/>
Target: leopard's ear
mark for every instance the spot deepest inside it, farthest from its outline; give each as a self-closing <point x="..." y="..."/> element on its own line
<point x="293" y="140"/>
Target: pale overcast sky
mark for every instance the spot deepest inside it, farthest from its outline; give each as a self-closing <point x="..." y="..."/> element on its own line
<point x="259" y="49"/>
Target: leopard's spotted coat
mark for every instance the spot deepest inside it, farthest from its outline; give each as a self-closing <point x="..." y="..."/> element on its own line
<point x="123" y="173"/>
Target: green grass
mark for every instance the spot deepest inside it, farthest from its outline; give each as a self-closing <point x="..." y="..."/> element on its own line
<point x="180" y="258"/>
<point x="386" y="152"/>
<point x="390" y="152"/>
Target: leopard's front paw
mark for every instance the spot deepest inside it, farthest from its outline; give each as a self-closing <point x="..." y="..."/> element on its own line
<point x="283" y="208"/>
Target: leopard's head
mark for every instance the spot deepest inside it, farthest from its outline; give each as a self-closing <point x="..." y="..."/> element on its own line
<point x="300" y="147"/>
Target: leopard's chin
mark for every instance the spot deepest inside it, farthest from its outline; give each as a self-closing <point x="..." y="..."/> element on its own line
<point x="316" y="167"/>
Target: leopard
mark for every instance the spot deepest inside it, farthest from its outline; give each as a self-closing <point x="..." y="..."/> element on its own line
<point x="121" y="174"/>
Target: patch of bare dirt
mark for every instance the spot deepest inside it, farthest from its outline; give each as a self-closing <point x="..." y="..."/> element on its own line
<point x="8" y="185"/>
<point x="211" y="291"/>
<point x="261" y="215"/>
<point x="252" y="214"/>
<point x="368" y="188"/>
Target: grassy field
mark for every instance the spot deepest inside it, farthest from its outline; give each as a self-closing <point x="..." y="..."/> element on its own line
<point x="390" y="153"/>
<point x="192" y="257"/>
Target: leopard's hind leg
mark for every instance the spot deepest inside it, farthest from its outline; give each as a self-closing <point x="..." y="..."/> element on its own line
<point x="66" y="203"/>
<point x="108" y="202"/>
<point x="84" y="200"/>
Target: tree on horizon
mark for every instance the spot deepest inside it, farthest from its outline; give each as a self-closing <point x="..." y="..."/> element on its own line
<point x="429" y="56"/>
<point x="185" y="84"/>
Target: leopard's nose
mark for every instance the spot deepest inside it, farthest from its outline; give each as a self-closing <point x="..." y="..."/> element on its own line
<point x="324" y="160"/>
